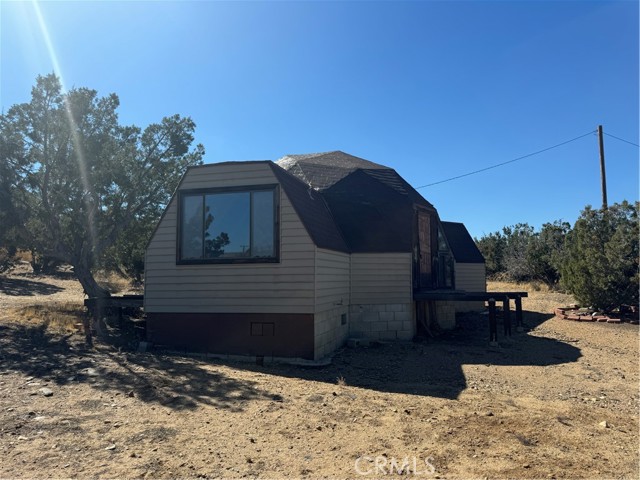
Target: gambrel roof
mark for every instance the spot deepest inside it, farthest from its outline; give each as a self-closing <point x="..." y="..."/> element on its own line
<point x="372" y="206"/>
<point x="313" y="211"/>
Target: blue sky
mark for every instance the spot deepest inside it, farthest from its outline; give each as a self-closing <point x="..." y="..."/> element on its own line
<point x="433" y="89"/>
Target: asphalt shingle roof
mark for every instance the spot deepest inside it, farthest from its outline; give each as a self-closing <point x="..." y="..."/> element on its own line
<point x="462" y="245"/>
<point x="312" y="209"/>
<point x="370" y="203"/>
<point x="323" y="170"/>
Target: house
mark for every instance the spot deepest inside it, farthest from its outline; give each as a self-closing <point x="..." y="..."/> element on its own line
<point x="289" y="258"/>
<point x="469" y="266"/>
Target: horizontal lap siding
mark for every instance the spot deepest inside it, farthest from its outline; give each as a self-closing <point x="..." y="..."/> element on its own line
<point x="285" y="287"/>
<point x="471" y="277"/>
<point x="381" y="278"/>
<point x="332" y="279"/>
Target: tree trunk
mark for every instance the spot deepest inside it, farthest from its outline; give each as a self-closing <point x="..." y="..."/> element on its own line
<point x="93" y="290"/>
<point x="89" y="284"/>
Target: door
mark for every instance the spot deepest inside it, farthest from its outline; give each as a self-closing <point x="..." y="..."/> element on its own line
<point x="424" y="250"/>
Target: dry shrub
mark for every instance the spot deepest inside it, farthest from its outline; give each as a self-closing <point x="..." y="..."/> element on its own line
<point x="541" y="298"/>
<point x="23" y="255"/>
<point x="113" y="282"/>
<point x="502" y="285"/>
<point x="4" y="259"/>
<point x="62" y="317"/>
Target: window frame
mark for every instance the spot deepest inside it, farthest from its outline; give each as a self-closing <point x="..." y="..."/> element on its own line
<point x="240" y="189"/>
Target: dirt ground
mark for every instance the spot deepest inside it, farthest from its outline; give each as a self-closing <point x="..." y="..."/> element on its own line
<point x="559" y="400"/>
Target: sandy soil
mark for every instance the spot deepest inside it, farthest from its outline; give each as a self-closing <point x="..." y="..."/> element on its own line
<point x="559" y="400"/>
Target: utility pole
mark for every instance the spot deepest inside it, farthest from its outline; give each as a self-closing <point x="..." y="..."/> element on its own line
<point x="603" y="175"/>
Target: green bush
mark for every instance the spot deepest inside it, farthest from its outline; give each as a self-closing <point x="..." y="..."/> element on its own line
<point x="600" y="265"/>
<point x="519" y="253"/>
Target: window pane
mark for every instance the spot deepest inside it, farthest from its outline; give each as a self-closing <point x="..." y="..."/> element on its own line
<point x="191" y="227"/>
<point x="442" y="243"/>
<point x="227" y="225"/>
<point x="263" y="224"/>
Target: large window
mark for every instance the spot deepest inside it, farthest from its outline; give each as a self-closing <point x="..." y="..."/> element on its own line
<point x="227" y="226"/>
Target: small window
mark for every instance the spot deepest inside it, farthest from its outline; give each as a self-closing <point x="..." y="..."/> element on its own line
<point x="228" y="226"/>
<point x="442" y="242"/>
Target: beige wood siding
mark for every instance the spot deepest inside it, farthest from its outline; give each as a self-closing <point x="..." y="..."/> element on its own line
<point x="332" y="301"/>
<point x="332" y="279"/>
<point x="381" y="278"/>
<point x="285" y="287"/>
<point x="471" y="277"/>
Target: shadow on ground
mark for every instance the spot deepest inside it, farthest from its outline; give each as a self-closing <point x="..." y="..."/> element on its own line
<point x="18" y="287"/>
<point x="433" y="367"/>
<point x="430" y="367"/>
<point x="174" y="382"/>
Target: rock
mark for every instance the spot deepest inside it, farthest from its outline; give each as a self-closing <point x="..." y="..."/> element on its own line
<point x="111" y="447"/>
<point x="488" y="414"/>
<point x="131" y="394"/>
<point x="91" y="372"/>
<point x="603" y="424"/>
<point x="47" y="392"/>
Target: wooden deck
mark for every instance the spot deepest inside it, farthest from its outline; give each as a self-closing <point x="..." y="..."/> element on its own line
<point x="430" y="296"/>
<point x="98" y="306"/>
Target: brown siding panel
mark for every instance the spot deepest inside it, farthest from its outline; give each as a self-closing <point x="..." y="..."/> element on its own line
<point x="288" y="335"/>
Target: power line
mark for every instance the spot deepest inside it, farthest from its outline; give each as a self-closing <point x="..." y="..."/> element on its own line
<point x="508" y="161"/>
<point x="622" y="139"/>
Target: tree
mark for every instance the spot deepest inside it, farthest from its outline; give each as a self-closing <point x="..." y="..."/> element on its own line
<point x="492" y="247"/>
<point x="518" y="239"/>
<point x="126" y="255"/>
<point x="600" y="267"/>
<point x="13" y="173"/>
<point x="546" y="252"/>
<point x="80" y="183"/>
<point x="519" y="253"/>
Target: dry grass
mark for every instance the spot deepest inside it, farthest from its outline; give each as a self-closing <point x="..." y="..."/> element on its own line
<point x="114" y="282"/>
<point x="541" y="298"/>
<point x="56" y="317"/>
<point x="23" y="255"/>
